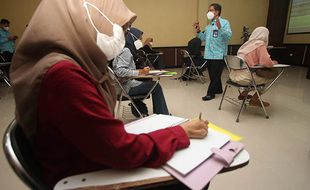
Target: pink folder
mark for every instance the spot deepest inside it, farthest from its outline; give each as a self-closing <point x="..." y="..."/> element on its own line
<point x="202" y="175"/>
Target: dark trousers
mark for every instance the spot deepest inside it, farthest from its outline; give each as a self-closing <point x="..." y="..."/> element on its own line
<point x="215" y="69"/>
<point x="158" y="98"/>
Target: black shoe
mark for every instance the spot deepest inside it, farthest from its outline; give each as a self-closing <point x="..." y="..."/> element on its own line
<point x="208" y="97"/>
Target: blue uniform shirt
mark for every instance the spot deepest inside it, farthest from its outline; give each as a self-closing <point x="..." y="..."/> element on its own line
<point x="216" y="39"/>
<point x="5" y="43"/>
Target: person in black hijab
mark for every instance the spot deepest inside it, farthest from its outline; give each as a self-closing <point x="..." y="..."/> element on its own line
<point x="139" y="49"/>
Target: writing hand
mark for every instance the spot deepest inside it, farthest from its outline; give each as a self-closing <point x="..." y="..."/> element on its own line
<point x="196" y="129"/>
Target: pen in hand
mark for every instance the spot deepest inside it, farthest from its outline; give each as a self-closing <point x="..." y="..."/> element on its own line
<point x="200" y="116"/>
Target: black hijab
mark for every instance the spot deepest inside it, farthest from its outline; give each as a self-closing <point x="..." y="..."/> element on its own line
<point x="132" y="35"/>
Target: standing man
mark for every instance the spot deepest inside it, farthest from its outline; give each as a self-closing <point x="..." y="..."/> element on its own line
<point x="7" y="41"/>
<point x="217" y="35"/>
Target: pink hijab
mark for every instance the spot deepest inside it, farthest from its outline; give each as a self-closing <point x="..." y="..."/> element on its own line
<point x="61" y="30"/>
<point x="259" y="37"/>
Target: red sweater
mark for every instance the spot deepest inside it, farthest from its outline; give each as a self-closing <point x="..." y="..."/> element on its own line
<point x="77" y="133"/>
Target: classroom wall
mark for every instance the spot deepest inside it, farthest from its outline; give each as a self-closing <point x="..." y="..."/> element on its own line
<point x="251" y="13"/>
<point x="169" y="22"/>
<point x="18" y="13"/>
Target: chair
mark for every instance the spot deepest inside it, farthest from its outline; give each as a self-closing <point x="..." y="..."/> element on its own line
<point x="2" y="74"/>
<point x="147" y="58"/>
<point x="234" y="62"/>
<point x="122" y="95"/>
<point x="18" y="152"/>
<point x="189" y="69"/>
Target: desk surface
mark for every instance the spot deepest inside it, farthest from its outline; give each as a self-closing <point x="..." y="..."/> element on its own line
<point x="155" y="74"/>
<point x="138" y="178"/>
<point x="275" y="66"/>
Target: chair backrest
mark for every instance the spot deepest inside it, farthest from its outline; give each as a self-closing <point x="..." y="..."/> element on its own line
<point x="234" y="62"/>
<point x="117" y="83"/>
<point x="19" y="154"/>
<point x="194" y="47"/>
<point x="187" y="59"/>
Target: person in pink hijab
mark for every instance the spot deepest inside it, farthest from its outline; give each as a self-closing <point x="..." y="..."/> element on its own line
<point x="254" y="52"/>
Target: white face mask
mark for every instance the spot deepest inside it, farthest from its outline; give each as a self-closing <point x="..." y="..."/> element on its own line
<point x="210" y="15"/>
<point x="111" y="46"/>
<point x="6" y="28"/>
<point x="138" y="44"/>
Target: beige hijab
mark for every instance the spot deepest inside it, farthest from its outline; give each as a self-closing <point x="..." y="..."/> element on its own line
<point x="61" y="30"/>
<point x="259" y="37"/>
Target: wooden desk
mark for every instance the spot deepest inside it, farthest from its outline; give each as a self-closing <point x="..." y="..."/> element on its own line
<point x="141" y="178"/>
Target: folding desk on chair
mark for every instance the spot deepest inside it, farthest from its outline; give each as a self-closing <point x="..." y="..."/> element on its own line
<point x="122" y="95"/>
<point x="151" y="58"/>
<point x="234" y="62"/>
<point x="191" y="70"/>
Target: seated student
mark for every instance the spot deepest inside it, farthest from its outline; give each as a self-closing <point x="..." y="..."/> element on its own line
<point x="193" y="48"/>
<point x="125" y="67"/>
<point x="7" y="44"/>
<point x="65" y="97"/>
<point x="254" y="52"/>
<point x="134" y="44"/>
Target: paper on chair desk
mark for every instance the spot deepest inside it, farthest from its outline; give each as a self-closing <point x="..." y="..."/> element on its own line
<point x="157" y="72"/>
<point x="153" y="123"/>
<point x="186" y="159"/>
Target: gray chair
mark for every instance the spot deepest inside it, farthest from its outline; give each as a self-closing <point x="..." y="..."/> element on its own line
<point x="190" y="71"/>
<point x="122" y="95"/>
<point x="19" y="154"/>
<point x="234" y="62"/>
<point x="2" y="74"/>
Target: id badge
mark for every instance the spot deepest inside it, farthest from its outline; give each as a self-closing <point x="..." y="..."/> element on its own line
<point x="215" y="33"/>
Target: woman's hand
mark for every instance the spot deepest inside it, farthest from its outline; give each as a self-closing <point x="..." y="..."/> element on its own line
<point x="196" y="129"/>
<point x="144" y="71"/>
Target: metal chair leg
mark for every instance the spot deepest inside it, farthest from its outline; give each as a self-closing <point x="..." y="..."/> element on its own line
<point x="262" y="104"/>
<point x="118" y="108"/>
<point x="220" y="107"/>
<point x="242" y="105"/>
<point x="6" y="80"/>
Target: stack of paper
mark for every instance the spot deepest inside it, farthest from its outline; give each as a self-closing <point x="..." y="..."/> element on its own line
<point x="187" y="159"/>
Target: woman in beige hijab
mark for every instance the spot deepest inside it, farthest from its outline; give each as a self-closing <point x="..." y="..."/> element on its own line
<point x="65" y="98"/>
<point x="254" y="52"/>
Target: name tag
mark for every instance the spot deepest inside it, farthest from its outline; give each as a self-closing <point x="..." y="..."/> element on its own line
<point x="215" y="33"/>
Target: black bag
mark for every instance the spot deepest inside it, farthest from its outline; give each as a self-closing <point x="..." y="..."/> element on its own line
<point x="140" y="59"/>
<point x="141" y="107"/>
